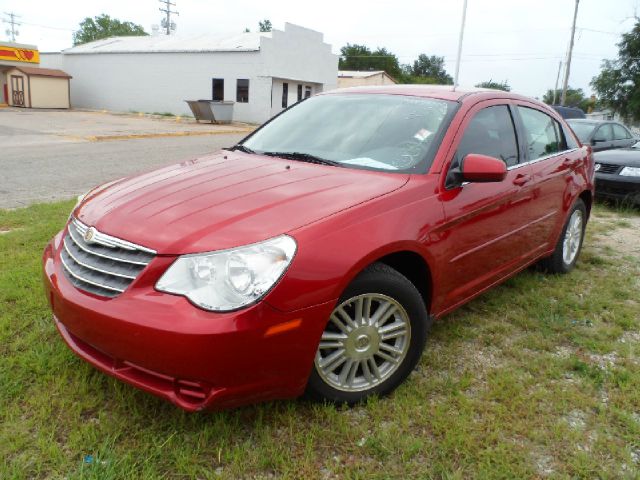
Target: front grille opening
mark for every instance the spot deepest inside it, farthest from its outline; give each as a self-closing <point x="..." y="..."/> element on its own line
<point x="105" y="265"/>
<point x="608" y="168"/>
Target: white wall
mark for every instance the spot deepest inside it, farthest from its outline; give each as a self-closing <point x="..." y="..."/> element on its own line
<point x="160" y="82"/>
<point x="52" y="60"/>
<point x="299" y="53"/>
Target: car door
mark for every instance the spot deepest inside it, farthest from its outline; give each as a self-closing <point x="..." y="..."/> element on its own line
<point x="486" y="224"/>
<point x="602" y="138"/>
<point x="552" y="162"/>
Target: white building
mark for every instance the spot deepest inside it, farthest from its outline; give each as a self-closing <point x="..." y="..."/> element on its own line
<point x="261" y="72"/>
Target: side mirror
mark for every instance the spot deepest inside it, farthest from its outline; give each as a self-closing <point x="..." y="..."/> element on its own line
<point x="482" y="168"/>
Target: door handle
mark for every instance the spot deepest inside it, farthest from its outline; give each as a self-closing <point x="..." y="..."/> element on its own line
<point x="521" y="179"/>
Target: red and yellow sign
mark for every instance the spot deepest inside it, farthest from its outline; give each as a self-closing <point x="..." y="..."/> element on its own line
<point x="14" y="54"/>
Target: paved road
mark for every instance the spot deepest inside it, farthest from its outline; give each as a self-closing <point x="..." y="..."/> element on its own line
<point x="55" y="170"/>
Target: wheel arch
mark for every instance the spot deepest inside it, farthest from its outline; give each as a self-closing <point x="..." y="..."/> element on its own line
<point x="587" y="197"/>
<point x="407" y="261"/>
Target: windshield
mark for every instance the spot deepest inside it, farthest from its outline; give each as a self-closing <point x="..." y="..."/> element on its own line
<point x="582" y="130"/>
<point x="369" y="131"/>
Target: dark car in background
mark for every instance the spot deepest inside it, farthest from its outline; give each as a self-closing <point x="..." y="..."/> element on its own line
<point x="602" y="134"/>
<point x="618" y="174"/>
<point x="569" y="112"/>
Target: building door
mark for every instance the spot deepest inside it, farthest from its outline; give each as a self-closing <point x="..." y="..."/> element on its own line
<point x="17" y="89"/>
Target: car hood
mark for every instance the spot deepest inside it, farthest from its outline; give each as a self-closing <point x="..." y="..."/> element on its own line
<point x="226" y="200"/>
<point x="627" y="157"/>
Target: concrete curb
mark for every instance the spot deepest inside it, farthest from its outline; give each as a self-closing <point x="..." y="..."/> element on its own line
<point x="134" y="136"/>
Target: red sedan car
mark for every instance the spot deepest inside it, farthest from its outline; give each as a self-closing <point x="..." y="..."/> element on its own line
<point x="314" y="255"/>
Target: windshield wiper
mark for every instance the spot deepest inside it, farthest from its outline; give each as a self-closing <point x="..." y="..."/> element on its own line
<point x="242" y="148"/>
<point x="303" y="157"/>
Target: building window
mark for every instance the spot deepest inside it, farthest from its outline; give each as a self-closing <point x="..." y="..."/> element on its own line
<point x="285" y="95"/>
<point x="217" y="89"/>
<point x="307" y="91"/>
<point x="299" y="91"/>
<point x="242" y="90"/>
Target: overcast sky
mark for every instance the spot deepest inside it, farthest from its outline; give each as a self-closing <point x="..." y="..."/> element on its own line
<point x="520" y="41"/>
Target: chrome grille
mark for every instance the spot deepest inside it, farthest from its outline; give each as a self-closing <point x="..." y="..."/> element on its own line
<point x="102" y="265"/>
<point x="608" y="168"/>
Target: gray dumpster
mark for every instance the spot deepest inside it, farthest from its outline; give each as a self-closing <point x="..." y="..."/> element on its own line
<point x="212" y="111"/>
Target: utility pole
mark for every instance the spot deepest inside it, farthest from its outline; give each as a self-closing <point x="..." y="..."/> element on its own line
<point x="12" y="31"/>
<point x="565" y="85"/>
<point x="464" y="17"/>
<point x="166" y="22"/>
<point x="555" y="90"/>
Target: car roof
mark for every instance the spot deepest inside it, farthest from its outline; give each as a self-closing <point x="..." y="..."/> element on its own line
<point x="443" y="92"/>
<point x="588" y="121"/>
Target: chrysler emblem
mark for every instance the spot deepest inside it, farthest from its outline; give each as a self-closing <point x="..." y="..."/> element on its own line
<point x="89" y="234"/>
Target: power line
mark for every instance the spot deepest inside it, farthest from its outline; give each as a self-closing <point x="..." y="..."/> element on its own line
<point x="166" y="22"/>
<point x="47" y="26"/>
<point x="12" y="31"/>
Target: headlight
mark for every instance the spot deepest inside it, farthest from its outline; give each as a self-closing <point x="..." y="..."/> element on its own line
<point x="630" y="172"/>
<point x="229" y="279"/>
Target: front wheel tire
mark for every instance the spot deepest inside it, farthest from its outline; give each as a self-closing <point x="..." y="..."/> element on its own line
<point x="373" y="339"/>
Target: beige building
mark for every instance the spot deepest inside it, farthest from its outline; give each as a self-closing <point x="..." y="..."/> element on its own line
<point x="364" y="78"/>
<point x="34" y="87"/>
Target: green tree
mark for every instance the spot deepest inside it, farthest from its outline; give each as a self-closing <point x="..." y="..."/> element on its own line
<point x="103" y="26"/>
<point x="265" y="25"/>
<point x="575" y="98"/>
<point x="495" y="85"/>
<point x="360" y="57"/>
<point x="428" y="69"/>
<point x="618" y="84"/>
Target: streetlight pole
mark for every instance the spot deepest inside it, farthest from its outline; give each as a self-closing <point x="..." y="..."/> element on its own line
<point x="464" y="17"/>
<point x="565" y="85"/>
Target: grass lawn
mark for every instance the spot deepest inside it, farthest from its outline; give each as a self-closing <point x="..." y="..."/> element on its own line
<point x="538" y="378"/>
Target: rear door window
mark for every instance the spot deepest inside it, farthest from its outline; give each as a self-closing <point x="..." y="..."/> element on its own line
<point x="491" y="132"/>
<point x="543" y="135"/>
<point x="620" y="133"/>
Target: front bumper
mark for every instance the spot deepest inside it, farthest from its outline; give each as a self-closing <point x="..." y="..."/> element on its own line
<point x="618" y="187"/>
<point x="195" y="359"/>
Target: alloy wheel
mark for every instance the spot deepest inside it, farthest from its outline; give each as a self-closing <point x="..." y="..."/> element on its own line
<point x="572" y="237"/>
<point x="365" y="341"/>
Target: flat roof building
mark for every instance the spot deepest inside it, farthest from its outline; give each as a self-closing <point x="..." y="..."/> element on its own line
<point x="262" y="73"/>
<point x="361" y="78"/>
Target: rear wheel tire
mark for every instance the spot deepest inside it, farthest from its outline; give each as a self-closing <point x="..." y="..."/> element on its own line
<point x="567" y="250"/>
<point x="373" y="340"/>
